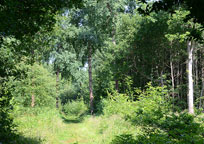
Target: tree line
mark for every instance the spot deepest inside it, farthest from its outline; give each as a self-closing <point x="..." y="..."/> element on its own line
<point x="99" y="47"/>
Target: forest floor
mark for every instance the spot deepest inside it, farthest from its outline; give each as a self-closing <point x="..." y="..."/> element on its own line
<point x="53" y="128"/>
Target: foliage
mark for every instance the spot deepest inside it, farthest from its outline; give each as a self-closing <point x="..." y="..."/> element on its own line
<point x="20" y="19"/>
<point x="27" y="17"/>
<point x="173" y="129"/>
<point x="37" y="81"/>
<point x="127" y="50"/>
<point x="152" y="112"/>
<point x="182" y="128"/>
<point x="7" y="62"/>
<point x="118" y="104"/>
<point x="183" y="31"/>
<point x="74" y="88"/>
<point x="7" y="128"/>
<point x="195" y="8"/>
<point x="151" y="104"/>
<point x="124" y="139"/>
<point x="75" y="108"/>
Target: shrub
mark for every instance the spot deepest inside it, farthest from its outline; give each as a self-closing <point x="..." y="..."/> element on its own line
<point x="7" y="127"/>
<point x="182" y="128"/>
<point x="174" y="129"/>
<point x="118" y="104"/>
<point x="36" y="81"/>
<point x="151" y="105"/>
<point x="124" y="139"/>
<point x="75" y="108"/>
<point x="152" y="112"/>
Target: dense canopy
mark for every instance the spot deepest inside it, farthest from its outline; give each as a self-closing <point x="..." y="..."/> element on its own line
<point x="101" y="71"/>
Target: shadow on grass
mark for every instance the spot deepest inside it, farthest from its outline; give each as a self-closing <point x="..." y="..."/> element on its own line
<point x="72" y="119"/>
<point x="28" y="140"/>
<point x="76" y="119"/>
<point x="19" y="139"/>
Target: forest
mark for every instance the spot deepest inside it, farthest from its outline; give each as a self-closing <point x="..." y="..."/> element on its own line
<point x="102" y="72"/>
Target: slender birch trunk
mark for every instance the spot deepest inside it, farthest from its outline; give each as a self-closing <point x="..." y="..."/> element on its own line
<point x="202" y="89"/>
<point x="202" y="79"/>
<point x="190" y="49"/>
<point x="172" y="78"/>
<point x="172" y="72"/>
<point x="57" y="86"/>
<point x="33" y="100"/>
<point x="32" y="82"/>
<point x="90" y="80"/>
<point x="180" y="80"/>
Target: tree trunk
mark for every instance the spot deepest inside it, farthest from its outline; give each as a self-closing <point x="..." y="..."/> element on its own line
<point x="202" y="89"/>
<point x="116" y="85"/>
<point x="172" y="78"/>
<point x="196" y="70"/>
<point x="113" y="41"/>
<point x="33" y="100"/>
<point x="57" y="92"/>
<point x="172" y="72"/>
<point x="32" y="83"/>
<point x="180" y="79"/>
<point x="190" y="49"/>
<point x="162" y="80"/>
<point x="90" y="80"/>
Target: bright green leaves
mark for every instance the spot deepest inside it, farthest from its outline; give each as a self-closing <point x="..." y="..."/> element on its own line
<point x="177" y="28"/>
<point x="182" y="30"/>
<point x="36" y="81"/>
<point x="152" y="104"/>
<point x="75" y="108"/>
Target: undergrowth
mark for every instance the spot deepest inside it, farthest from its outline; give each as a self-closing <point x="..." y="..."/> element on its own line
<point x="150" y="120"/>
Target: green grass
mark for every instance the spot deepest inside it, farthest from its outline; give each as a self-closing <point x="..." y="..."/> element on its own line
<point x="49" y="127"/>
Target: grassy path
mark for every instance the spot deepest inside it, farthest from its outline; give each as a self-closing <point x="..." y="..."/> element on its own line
<point x="51" y="128"/>
<point x="84" y="132"/>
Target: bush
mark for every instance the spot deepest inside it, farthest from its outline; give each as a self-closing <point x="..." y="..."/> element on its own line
<point x="182" y="128"/>
<point x="173" y="129"/>
<point x="36" y="81"/>
<point x="124" y="139"/>
<point x="151" y="105"/>
<point x="7" y="127"/>
<point x="118" y="104"/>
<point x="75" y="108"/>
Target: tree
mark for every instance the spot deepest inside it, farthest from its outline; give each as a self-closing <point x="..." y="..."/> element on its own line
<point x="35" y="80"/>
<point x="195" y="8"/>
<point x="183" y="31"/>
<point x="90" y="23"/>
<point x="61" y="52"/>
<point x="21" y="20"/>
<point x="191" y="34"/>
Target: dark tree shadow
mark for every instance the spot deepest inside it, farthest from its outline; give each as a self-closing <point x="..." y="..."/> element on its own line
<point x="19" y="139"/>
<point x="72" y="119"/>
<point x="27" y="140"/>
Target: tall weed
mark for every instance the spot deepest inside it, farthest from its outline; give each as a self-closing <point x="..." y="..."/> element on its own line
<point x="75" y="108"/>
